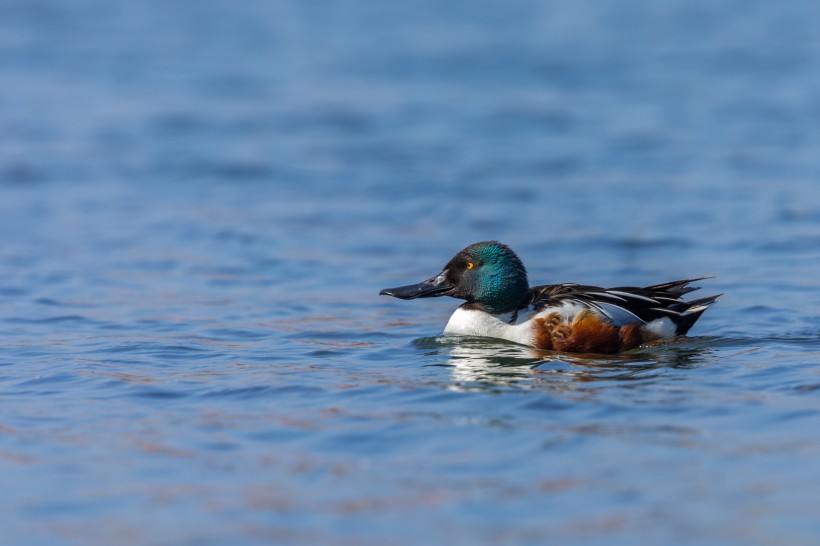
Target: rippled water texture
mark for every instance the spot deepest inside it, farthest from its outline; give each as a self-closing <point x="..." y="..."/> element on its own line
<point x="201" y="200"/>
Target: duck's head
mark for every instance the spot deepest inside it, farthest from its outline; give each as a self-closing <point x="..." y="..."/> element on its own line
<point x="488" y="274"/>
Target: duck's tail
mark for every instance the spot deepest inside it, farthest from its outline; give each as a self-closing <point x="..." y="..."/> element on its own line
<point x="684" y="313"/>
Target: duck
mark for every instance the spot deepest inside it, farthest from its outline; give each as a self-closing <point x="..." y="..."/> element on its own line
<point x="500" y="303"/>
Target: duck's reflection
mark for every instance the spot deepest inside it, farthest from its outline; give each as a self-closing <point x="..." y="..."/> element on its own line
<point x="488" y="364"/>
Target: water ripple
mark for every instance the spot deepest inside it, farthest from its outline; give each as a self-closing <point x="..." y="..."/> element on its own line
<point x="200" y="202"/>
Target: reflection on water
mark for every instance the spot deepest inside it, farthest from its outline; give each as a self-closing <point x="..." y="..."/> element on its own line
<point x="484" y="364"/>
<point x="488" y="364"/>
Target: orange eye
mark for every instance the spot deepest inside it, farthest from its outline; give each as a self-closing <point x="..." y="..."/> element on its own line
<point x="470" y="265"/>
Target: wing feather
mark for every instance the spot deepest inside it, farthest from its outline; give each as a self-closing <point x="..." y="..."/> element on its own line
<point x="628" y="304"/>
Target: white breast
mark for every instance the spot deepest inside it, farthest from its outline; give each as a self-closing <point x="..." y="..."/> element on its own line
<point x="472" y="322"/>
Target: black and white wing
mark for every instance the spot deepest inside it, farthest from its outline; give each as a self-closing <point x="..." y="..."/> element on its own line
<point x="629" y="304"/>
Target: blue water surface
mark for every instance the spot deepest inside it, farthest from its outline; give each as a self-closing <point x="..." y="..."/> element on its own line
<point x="200" y="200"/>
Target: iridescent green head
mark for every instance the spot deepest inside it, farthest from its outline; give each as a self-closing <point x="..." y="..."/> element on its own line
<point x="488" y="274"/>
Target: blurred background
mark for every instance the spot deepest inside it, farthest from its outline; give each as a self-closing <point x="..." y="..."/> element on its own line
<point x="199" y="202"/>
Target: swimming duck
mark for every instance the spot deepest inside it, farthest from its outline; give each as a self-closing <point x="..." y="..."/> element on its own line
<point x="492" y="280"/>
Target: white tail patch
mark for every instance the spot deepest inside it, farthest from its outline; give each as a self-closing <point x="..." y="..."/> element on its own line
<point x="662" y="328"/>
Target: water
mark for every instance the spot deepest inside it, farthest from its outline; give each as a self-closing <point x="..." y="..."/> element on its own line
<point x="201" y="201"/>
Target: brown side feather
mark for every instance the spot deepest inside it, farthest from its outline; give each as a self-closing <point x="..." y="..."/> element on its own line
<point x="587" y="333"/>
<point x="630" y="335"/>
<point x="544" y="327"/>
<point x="591" y="334"/>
